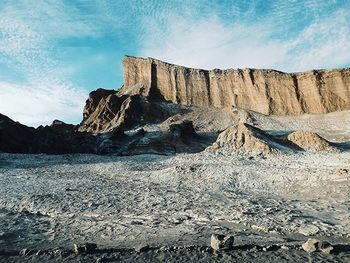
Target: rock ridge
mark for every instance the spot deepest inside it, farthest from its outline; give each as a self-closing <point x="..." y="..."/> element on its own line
<point x="266" y="91"/>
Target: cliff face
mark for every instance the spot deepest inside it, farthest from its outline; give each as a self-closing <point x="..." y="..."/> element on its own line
<point x="264" y="91"/>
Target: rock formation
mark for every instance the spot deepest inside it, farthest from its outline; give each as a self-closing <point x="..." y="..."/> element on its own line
<point x="176" y="138"/>
<point x="221" y="242"/>
<point x="14" y="137"/>
<point x="106" y="110"/>
<point x="167" y="109"/>
<point x="246" y="139"/>
<point x="263" y="91"/>
<point x="315" y="245"/>
<point x="57" y="138"/>
<point x="310" y="141"/>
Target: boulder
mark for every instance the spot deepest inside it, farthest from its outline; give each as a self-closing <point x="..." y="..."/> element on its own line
<point x="221" y="242"/>
<point x="315" y="245"/>
<point x="342" y="171"/>
<point x="87" y="248"/>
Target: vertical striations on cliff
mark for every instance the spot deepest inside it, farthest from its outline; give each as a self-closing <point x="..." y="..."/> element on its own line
<point x="264" y="91"/>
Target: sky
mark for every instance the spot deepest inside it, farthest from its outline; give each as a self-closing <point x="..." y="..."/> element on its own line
<point x="54" y="52"/>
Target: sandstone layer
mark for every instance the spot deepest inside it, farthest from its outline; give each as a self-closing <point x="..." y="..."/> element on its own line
<point x="265" y="91"/>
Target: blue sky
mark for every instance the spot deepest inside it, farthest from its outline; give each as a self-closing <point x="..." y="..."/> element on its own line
<point x="54" y="52"/>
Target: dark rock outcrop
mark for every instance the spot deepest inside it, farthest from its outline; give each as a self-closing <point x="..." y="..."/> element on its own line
<point x="178" y="137"/>
<point x="15" y="137"/>
<point x="58" y="138"/>
<point x="62" y="127"/>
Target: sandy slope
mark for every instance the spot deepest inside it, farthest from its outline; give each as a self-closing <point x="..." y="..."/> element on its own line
<point x="51" y="202"/>
<point x="333" y="126"/>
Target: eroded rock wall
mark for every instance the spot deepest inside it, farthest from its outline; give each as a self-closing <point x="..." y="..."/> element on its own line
<point x="264" y="91"/>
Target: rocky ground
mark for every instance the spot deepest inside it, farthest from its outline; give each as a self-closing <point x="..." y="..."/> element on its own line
<point x="152" y="208"/>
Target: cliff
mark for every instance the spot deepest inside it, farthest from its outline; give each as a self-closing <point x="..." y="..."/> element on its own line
<point x="265" y="91"/>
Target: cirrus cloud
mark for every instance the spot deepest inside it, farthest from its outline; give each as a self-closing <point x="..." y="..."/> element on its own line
<point x="206" y="41"/>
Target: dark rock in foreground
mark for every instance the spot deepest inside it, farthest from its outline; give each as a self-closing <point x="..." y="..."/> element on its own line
<point x="58" y="138"/>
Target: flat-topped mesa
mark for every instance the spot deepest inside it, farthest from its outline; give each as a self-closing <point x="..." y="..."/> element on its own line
<point x="264" y="91"/>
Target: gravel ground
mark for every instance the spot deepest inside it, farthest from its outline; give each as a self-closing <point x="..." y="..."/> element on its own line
<point x="50" y="202"/>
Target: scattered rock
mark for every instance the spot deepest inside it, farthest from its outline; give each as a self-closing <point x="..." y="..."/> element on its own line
<point x="342" y="171"/>
<point x="175" y="138"/>
<point x="104" y="259"/>
<point x="327" y="248"/>
<point x="314" y="245"/>
<point x="24" y="252"/>
<point x="86" y="248"/>
<point x="308" y="230"/>
<point x="142" y="248"/>
<point x="163" y="248"/>
<point x="221" y="242"/>
<point x="284" y="247"/>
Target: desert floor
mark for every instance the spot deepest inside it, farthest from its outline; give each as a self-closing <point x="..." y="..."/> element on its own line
<point x="151" y="208"/>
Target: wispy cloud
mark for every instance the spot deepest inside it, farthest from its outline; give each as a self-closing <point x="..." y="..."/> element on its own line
<point x="206" y="41"/>
<point x="322" y="44"/>
<point x="27" y="46"/>
<point x="209" y="43"/>
<point x="41" y="104"/>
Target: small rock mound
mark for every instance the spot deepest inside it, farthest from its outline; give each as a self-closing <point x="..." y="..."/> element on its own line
<point x="310" y="141"/>
<point x="247" y="139"/>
